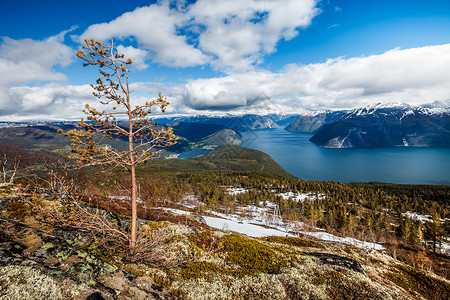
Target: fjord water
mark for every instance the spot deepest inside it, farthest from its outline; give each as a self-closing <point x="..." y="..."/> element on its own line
<point x="297" y="155"/>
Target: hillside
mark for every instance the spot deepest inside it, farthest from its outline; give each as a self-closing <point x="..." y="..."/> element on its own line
<point x="228" y="224"/>
<point x="34" y="136"/>
<point x="45" y="136"/>
<point x="230" y="158"/>
<point x="188" y="260"/>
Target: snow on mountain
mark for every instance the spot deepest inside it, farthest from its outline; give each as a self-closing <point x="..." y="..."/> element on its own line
<point x="255" y="227"/>
<point x="400" y="109"/>
<point x="388" y="125"/>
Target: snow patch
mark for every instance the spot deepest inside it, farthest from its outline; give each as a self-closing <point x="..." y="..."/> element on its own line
<point x="418" y="217"/>
<point x="244" y="226"/>
<point x="236" y="191"/>
<point x="299" y="196"/>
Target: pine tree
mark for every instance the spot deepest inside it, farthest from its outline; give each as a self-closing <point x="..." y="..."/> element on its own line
<point x="404" y="230"/>
<point x="434" y="229"/>
<point x="416" y="234"/>
<point x="143" y="138"/>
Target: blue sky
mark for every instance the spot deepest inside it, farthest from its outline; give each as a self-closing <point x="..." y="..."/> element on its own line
<point x="211" y="56"/>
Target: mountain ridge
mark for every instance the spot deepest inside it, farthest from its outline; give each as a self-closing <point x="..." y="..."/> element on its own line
<point x="379" y="125"/>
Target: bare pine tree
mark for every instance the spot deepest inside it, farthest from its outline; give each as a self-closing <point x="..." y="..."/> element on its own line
<point x="144" y="139"/>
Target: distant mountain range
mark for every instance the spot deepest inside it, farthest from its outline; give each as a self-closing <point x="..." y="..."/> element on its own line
<point x="381" y="125"/>
<point x="45" y="136"/>
<point x="238" y="123"/>
<point x="310" y="123"/>
<point x="396" y="125"/>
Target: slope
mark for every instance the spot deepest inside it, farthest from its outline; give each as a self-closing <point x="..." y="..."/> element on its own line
<point x="229" y="158"/>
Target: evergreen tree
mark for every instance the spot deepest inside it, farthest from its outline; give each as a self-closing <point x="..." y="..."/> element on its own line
<point x="434" y="229"/>
<point x="139" y="130"/>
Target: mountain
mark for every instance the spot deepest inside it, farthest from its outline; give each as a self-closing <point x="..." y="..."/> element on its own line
<point x="237" y="123"/>
<point x="311" y="122"/>
<point x="223" y="137"/>
<point x="224" y="158"/>
<point x="40" y="135"/>
<point x="394" y="125"/>
<point x="282" y="119"/>
<point x="46" y="136"/>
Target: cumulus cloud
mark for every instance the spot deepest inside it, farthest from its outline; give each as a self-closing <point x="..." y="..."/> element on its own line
<point x="416" y="75"/>
<point x="66" y="102"/>
<point x="155" y="28"/>
<point x="239" y="33"/>
<point x="138" y="56"/>
<point x="232" y="35"/>
<point x="25" y="61"/>
<point x="52" y="100"/>
<point x="29" y="60"/>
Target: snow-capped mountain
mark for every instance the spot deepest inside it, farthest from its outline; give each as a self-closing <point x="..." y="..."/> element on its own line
<point x="313" y="121"/>
<point x="238" y="123"/>
<point x="388" y="125"/>
<point x="400" y="110"/>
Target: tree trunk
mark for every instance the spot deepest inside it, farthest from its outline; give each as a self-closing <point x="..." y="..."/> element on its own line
<point x="133" y="228"/>
<point x="133" y="210"/>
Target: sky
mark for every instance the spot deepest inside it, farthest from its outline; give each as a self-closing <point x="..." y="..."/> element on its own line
<point x="233" y="56"/>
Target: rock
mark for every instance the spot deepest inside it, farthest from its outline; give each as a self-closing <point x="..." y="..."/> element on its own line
<point x="115" y="281"/>
<point x="95" y="296"/>
<point x="144" y="283"/>
<point x="332" y="259"/>
<point x="124" y="289"/>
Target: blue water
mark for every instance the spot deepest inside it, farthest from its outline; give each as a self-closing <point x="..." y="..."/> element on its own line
<point x="297" y="155"/>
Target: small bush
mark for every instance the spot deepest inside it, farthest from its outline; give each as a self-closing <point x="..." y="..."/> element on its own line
<point x="420" y="282"/>
<point x="252" y="256"/>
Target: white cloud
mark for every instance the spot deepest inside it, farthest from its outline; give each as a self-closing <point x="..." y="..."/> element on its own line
<point x="416" y="75"/>
<point x="232" y="35"/>
<point x="66" y="102"/>
<point x="25" y="61"/>
<point x="239" y="33"/>
<point x="29" y="60"/>
<point x="138" y="56"/>
<point x="155" y="29"/>
<point x="48" y="101"/>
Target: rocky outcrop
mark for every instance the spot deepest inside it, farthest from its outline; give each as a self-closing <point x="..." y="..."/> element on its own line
<point x="336" y="260"/>
<point x="62" y="270"/>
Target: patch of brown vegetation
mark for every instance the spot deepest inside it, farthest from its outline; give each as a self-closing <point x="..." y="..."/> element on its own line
<point x="421" y="259"/>
<point x="123" y="208"/>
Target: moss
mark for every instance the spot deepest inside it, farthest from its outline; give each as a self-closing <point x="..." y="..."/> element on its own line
<point x="47" y="246"/>
<point x="162" y="280"/>
<point x="331" y="277"/>
<point x="339" y="283"/>
<point x="206" y="241"/>
<point x="63" y="254"/>
<point x="202" y="269"/>
<point x="292" y="241"/>
<point x="82" y="254"/>
<point x="24" y="282"/>
<point x="252" y="256"/>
